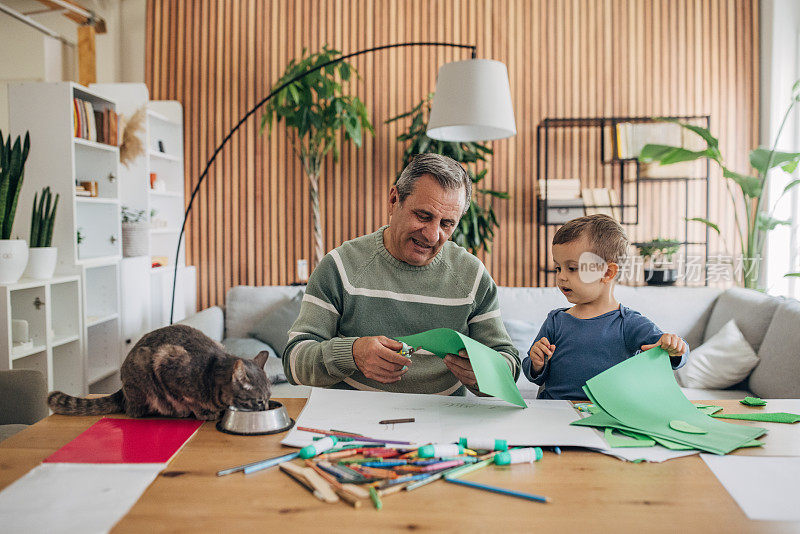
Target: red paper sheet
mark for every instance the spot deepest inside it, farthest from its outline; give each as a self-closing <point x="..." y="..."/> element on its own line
<point x="127" y="441"/>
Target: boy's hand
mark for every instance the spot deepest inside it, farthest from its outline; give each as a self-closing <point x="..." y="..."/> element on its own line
<point x="671" y="343"/>
<point x="540" y="352"/>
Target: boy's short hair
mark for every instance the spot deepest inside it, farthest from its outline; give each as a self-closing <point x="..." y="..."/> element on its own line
<point x="606" y="236"/>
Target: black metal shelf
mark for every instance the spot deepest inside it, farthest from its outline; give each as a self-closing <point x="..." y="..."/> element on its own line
<point x="620" y="169"/>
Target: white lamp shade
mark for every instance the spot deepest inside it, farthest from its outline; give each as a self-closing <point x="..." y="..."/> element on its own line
<point x="472" y="102"/>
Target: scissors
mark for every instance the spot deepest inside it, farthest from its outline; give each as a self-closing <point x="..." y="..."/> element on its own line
<point x="407" y="350"/>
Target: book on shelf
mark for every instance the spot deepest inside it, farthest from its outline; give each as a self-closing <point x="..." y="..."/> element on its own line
<point x="99" y="125"/>
<point x="562" y="189"/>
<point x="601" y="201"/>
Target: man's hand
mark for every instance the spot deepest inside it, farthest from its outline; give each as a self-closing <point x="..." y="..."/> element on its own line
<point x="377" y="358"/>
<point x="671" y="343"/>
<point x="460" y="366"/>
<point x="540" y="352"/>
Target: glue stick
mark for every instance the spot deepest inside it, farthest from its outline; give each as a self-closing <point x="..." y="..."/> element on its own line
<point x="484" y="444"/>
<point x="317" y="447"/>
<point x="440" y="449"/>
<point x="518" y="456"/>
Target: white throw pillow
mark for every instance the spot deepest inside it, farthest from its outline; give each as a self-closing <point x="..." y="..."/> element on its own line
<point x="722" y="361"/>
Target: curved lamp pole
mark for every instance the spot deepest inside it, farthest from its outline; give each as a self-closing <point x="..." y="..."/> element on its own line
<point x="451" y="123"/>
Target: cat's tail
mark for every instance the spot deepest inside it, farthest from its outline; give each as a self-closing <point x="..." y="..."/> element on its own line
<point x="64" y="404"/>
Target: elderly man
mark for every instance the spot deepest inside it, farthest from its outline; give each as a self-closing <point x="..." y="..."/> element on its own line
<point x="407" y="277"/>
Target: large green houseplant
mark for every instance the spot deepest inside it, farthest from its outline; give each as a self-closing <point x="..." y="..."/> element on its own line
<point x="750" y="197"/>
<point x="13" y="252"/>
<point x="475" y="230"/>
<point x="315" y="109"/>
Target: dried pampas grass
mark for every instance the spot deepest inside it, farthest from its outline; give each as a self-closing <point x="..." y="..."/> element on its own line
<point x="132" y="145"/>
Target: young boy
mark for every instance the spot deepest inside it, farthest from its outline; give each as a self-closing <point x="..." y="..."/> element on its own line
<point x="596" y="333"/>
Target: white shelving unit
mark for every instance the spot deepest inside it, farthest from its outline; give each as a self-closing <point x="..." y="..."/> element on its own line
<point x="147" y="290"/>
<point x="52" y="310"/>
<point x="59" y="160"/>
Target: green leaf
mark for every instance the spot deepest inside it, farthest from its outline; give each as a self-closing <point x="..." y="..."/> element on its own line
<point x="765" y="222"/>
<point x="790" y="185"/>
<point x="344" y="71"/>
<point x="702" y="132"/>
<point x="796" y="91"/>
<point x="792" y="274"/>
<point x="751" y="186"/>
<point x="760" y="156"/>
<point x="789" y="167"/>
<point x="665" y="154"/>
<point x="707" y="223"/>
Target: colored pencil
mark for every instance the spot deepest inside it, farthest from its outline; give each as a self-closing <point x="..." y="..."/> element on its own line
<point x="269" y="463"/>
<point x="394" y="421"/>
<point x="376" y="500"/>
<point x="502" y="491"/>
<point x="349" y="435"/>
<point x="469" y="468"/>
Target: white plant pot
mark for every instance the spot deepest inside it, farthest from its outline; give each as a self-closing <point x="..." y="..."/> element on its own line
<point x="13" y="259"/>
<point x="134" y="239"/>
<point x="41" y="262"/>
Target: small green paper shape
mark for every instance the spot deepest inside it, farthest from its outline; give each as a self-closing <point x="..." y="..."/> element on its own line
<point x="708" y="409"/>
<point x="753" y="401"/>
<point x="683" y="426"/>
<point x="491" y="370"/>
<point x="616" y="440"/>
<point x="777" y="417"/>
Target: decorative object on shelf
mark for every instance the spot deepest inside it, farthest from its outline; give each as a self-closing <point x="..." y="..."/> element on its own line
<point x="20" y="333"/>
<point x="759" y="216"/>
<point x="314" y="109"/>
<point x="158" y="261"/>
<point x="161" y="146"/>
<point x="153" y="180"/>
<point x="42" y="255"/>
<point x="13" y="252"/>
<point x="91" y="187"/>
<point x="658" y="253"/>
<point x="475" y="230"/>
<point x="134" y="233"/>
<point x="132" y="146"/>
<point x="478" y="85"/>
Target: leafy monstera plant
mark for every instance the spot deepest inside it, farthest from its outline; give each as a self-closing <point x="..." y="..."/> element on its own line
<point x="759" y="218"/>
<point x="475" y="230"/>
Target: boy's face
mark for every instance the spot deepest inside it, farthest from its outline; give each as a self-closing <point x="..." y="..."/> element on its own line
<point x="581" y="275"/>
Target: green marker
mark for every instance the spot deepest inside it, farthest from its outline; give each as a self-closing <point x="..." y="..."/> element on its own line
<point x="518" y="456"/>
<point x="318" y="447"/>
<point x="484" y="444"/>
<point x="439" y="450"/>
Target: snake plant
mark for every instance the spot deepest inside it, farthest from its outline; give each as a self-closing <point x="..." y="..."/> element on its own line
<point x="12" y="172"/>
<point x="42" y="219"/>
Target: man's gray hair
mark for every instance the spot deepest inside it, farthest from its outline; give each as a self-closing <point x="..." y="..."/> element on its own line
<point x="447" y="172"/>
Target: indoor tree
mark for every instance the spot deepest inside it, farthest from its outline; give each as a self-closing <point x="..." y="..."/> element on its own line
<point x="315" y="109"/>
<point x="475" y="230"/>
<point x="758" y="215"/>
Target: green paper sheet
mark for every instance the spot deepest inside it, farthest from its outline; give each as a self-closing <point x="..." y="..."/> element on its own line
<point x="683" y="426"/>
<point x="618" y="439"/>
<point x="642" y="394"/>
<point x="491" y="370"/>
<point x="753" y="401"/>
<point x="602" y="420"/>
<point x="777" y="417"/>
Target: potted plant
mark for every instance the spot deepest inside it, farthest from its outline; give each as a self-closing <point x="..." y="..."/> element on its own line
<point x="750" y="200"/>
<point x="42" y="255"/>
<point x="658" y="253"/>
<point x="135" y="228"/>
<point x="314" y="109"/>
<point x="13" y="252"/>
<point x="475" y="230"/>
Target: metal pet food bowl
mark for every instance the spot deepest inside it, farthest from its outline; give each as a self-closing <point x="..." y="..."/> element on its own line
<point x="254" y="423"/>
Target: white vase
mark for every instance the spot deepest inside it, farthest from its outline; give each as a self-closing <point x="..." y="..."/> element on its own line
<point x="134" y="239"/>
<point x="41" y="262"/>
<point x="13" y="259"/>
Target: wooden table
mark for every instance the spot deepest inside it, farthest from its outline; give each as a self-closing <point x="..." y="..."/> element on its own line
<point x="589" y="491"/>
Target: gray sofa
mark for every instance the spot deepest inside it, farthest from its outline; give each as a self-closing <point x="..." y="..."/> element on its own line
<point x="23" y="400"/>
<point x="770" y="325"/>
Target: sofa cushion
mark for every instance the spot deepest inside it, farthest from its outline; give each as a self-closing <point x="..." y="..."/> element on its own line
<point x="6" y="431"/>
<point x="751" y="309"/>
<point x="246" y="305"/>
<point x="778" y="373"/>
<point x="273" y="328"/>
<point x="721" y="362"/>
<point x="248" y="348"/>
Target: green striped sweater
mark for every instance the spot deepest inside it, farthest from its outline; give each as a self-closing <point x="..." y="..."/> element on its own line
<point x="360" y="289"/>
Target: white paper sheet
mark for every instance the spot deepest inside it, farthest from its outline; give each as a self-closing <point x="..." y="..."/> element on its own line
<point x="441" y="419"/>
<point x="765" y="488"/>
<point x="69" y="498"/>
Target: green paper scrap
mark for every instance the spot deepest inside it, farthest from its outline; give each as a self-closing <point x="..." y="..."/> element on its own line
<point x="754" y="443"/>
<point x="753" y="401"/>
<point x="641" y="394"/>
<point x="491" y="370"/>
<point x="616" y="440"/>
<point x="683" y="426"/>
<point x="708" y="409"/>
<point x="776" y="417"/>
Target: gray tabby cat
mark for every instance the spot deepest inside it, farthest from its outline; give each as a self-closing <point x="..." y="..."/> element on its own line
<point x="177" y="371"/>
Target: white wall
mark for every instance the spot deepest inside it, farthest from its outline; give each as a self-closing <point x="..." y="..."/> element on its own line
<point x="780" y="68"/>
<point x="29" y="55"/>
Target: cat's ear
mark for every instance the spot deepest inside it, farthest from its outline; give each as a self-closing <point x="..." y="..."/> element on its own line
<point x="239" y="372"/>
<point x="261" y="358"/>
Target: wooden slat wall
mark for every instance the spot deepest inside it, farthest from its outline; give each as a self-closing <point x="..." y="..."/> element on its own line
<point x="565" y="57"/>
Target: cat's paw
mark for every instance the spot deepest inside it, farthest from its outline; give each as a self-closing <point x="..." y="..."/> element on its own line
<point x="207" y="416"/>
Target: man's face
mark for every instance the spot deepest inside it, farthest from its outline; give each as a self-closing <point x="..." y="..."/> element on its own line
<point x="421" y="224"/>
